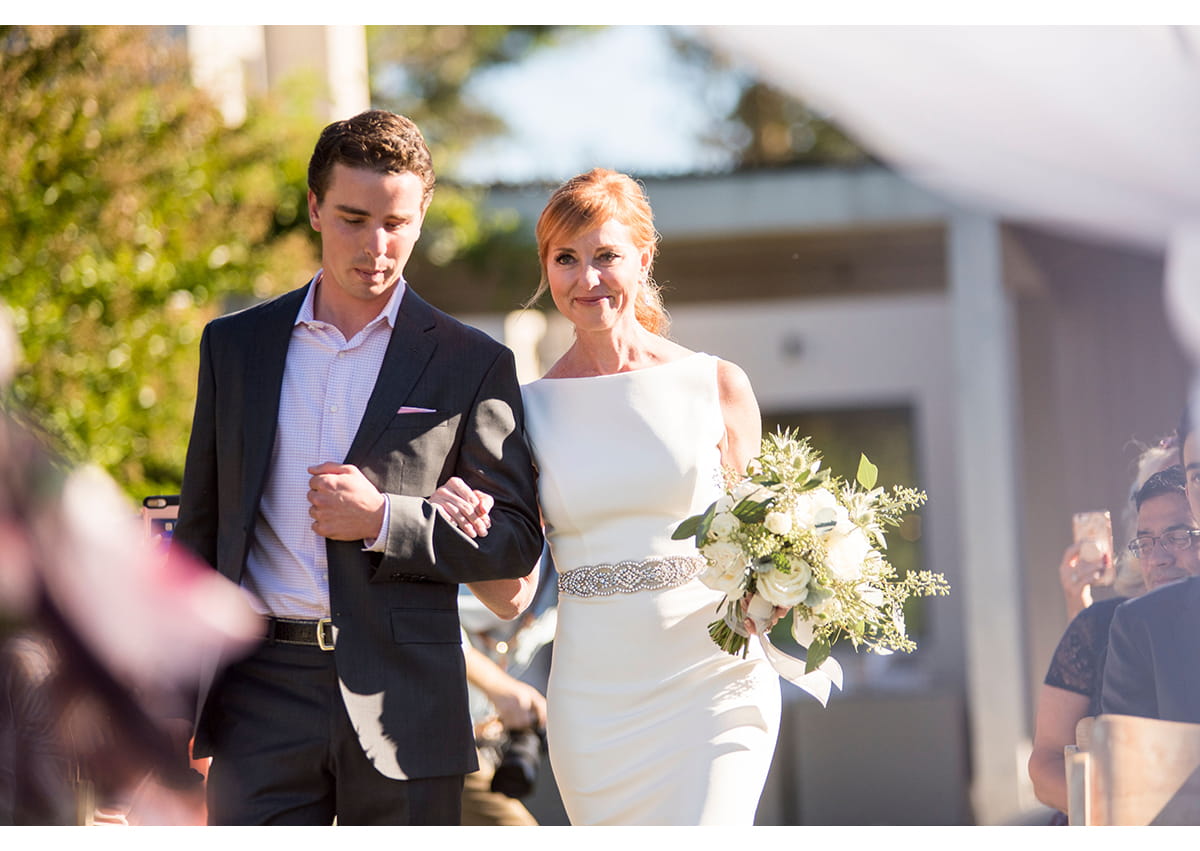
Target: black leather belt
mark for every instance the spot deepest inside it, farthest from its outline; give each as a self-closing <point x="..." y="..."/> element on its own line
<point x="315" y="633"/>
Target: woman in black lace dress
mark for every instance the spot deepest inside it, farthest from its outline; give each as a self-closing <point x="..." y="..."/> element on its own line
<point x="1163" y="551"/>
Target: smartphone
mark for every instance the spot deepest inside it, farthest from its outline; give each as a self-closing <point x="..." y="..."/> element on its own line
<point x="1093" y="534"/>
<point x="159" y="514"/>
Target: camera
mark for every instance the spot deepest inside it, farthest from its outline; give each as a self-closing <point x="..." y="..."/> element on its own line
<point x="519" y="763"/>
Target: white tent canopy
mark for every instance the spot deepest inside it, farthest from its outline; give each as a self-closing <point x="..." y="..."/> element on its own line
<point x="1093" y="129"/>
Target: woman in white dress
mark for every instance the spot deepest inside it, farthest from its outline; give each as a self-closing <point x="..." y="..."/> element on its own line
<point x="649" y="721"/>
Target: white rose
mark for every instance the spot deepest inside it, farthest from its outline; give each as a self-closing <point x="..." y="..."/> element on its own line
<point x="726" y="567"/>
<point x="778" y="523"/>
<point x="724" y="504"/>
<point x="846" y="552"/>
<point x="785" y="589"/>
<point x="811" y="503"/>
<point x="723" y="525"/>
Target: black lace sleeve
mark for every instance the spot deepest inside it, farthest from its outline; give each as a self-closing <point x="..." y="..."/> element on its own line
<point x="1079" y="658"/>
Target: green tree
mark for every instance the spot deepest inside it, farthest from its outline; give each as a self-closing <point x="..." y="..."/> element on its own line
<point x="424" y="72"/>
<point x="129" y="216"/>
<point x="760" y="125"/>
<point x="466" y="260"/>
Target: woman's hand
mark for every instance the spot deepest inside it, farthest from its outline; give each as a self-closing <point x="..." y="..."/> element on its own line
<point x="467" y="509"/>
<point x="772" y="618"/>
<point x="1076" y="579"/>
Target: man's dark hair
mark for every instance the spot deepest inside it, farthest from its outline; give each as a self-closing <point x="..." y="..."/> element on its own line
<point x="377" y="140"/>
<point x="1170" y="480"/>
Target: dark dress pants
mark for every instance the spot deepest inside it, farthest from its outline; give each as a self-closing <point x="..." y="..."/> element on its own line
<point x="284" y="752"/>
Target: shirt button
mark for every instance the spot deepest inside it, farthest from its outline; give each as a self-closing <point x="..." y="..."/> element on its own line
<point x="333" y="409"/>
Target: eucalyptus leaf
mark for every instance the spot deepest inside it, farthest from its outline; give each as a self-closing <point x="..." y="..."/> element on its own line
<point x="706" y="524"/>
<point x="868" y="473"/>
<point x="688" y="528"/>
<point x="696" y="526"/>
<point x="753" y="511"/>
<point x="818" y="652"/>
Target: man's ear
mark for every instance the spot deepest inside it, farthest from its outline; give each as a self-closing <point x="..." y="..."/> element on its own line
<point x="314" y="215"/>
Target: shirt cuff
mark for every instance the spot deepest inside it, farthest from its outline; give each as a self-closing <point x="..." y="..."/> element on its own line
<point x="379" y="544"/>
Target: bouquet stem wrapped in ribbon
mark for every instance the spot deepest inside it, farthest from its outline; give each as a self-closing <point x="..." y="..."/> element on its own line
<point x="789" y="534"/>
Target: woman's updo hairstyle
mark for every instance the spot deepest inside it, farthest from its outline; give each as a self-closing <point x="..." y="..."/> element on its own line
<point x="589" y="200"/>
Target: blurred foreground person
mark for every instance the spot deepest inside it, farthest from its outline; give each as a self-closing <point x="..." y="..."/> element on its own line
<point x="100" y="637"/>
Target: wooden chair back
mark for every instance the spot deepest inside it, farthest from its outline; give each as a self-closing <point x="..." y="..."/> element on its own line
<point x="1141" y="771"/>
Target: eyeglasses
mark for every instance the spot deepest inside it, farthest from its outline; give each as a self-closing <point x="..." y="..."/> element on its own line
<point x="1177" y="541"/>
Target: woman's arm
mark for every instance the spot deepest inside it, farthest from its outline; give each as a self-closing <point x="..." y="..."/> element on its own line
<point x="1058" y="712"/>
<point x="743" y="422"/>
<point x="507" y="598"/>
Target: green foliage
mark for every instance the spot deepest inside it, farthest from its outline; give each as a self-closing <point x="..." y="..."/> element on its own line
<point x="129" y="216"/>
<point x="760" y="125"/>
<point x="423" y="72"/>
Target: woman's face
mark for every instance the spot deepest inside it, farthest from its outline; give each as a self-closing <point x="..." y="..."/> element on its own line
<point x="594" y="276"/>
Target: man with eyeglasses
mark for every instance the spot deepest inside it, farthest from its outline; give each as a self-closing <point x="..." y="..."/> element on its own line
<point x="1153" y="662"/>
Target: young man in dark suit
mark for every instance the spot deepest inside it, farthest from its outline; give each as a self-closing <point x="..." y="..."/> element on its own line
<point x="337" y="430"/>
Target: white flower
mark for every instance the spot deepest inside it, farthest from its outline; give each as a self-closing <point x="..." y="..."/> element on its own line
<point x="724" y="504"/>
<point x="826" y="608"/>
<point x="811" y="503"/>
<point x="723" y="525"/>
<point x="802" y="630"/>
<point x="726" y="568"/>
<point x="846" y="553"/>
<point x="778" y="523"/>
<point x="785" y="589"/>
<point x="871" y="595"/>
<point x="744" y="489"/>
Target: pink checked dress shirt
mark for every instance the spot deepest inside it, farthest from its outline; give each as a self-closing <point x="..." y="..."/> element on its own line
<point x="327" y="381"/>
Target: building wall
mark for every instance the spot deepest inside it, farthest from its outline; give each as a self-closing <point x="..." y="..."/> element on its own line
<point x="1101" y="376"/>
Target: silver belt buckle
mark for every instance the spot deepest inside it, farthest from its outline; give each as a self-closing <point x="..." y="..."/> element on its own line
<point x="321" y="625"/>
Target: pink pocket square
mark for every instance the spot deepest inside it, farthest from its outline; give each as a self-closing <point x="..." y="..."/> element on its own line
<point x="405" y="409"/>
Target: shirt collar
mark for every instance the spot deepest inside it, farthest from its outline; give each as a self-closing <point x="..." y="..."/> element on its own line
<point x="389" y="312"/>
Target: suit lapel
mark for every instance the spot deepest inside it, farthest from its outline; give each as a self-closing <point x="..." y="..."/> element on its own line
<point x="408" y="353"/>
<point x="264" y="385"/>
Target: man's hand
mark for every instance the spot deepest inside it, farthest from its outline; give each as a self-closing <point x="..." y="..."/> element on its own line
<point x="519" y="705"/>
<point x="343" y="503"/>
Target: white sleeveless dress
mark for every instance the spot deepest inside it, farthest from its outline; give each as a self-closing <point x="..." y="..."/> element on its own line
<point x="649" y="722"/>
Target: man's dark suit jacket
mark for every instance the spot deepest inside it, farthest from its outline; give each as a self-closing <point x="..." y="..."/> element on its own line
<point x="398" y="644"/>
<point x="1153" y="666"/>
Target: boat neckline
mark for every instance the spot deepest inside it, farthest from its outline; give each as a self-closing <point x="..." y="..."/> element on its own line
<point x="626" y="372"/>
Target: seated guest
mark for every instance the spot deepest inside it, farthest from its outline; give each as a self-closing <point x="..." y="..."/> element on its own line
<point x="1073" y="575"/>
<point x="1154" y="641"/>
<point x="1163" y="553"/>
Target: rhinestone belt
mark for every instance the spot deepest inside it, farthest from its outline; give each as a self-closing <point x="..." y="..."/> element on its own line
<point x="628" y="577"/>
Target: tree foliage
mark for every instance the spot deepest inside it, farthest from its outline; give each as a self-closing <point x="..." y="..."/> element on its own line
<point x="763" y="126"/>
<point x="129" y="216"/>
<point x="424" y="72"/>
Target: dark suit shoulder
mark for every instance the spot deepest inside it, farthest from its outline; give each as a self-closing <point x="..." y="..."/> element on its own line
<point x="286" y="305"/>
<point x="1171" y="600"/>
<point x="447" y="326"/>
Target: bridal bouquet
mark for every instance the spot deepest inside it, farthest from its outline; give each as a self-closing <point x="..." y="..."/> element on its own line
<point x="790" y="534"/>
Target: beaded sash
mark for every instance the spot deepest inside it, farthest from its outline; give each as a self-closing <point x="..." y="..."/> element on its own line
<point x="628" y="577"/>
